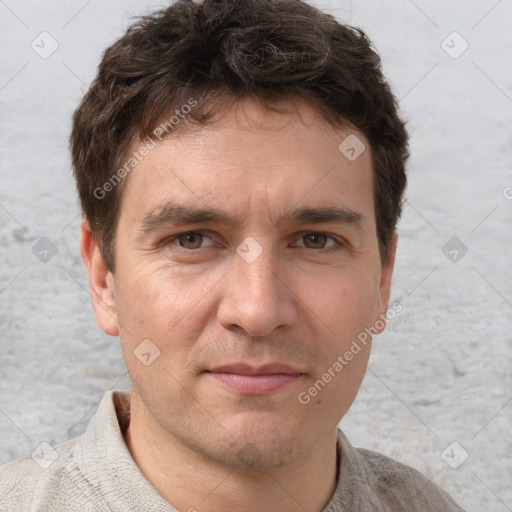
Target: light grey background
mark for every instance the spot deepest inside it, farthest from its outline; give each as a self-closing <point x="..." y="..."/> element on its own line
<point x="441" y="373"/>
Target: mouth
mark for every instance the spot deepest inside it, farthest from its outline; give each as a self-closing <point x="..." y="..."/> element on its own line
<point x="255" y="380"/>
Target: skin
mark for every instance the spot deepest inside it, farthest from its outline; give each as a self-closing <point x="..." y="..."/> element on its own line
<point x="301" y="302"/>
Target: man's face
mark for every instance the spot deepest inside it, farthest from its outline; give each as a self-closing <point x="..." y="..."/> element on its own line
<point x="253" y="297"/>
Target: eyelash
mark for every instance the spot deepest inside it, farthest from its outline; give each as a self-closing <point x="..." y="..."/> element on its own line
<point x="339" y="242"/>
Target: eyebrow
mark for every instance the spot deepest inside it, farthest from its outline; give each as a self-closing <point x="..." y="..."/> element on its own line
<point x="324" y="215"/>
<point x="171" y="214"/>
<point x="175" y="214"/>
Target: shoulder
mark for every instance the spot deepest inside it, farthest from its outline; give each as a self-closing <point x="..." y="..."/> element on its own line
<point x="40" y="481"/>
<point x="89" y="473"/>
<point x="399" y="485"/>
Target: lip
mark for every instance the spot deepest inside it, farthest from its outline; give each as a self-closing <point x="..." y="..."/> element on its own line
<point x="251" y="380"/>
<point x="248" y="369"/>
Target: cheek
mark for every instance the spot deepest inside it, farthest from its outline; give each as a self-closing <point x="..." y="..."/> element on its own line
<point x="345" y="302"/>
<point x="162" y="304"/>
<point x="152" y="306"/>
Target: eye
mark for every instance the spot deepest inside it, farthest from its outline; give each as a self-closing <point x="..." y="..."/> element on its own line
<point x="192" y="240"/>
<point x="318" y="241"/>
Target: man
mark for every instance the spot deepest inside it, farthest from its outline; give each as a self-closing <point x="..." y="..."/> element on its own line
<point x="240" y="166"/>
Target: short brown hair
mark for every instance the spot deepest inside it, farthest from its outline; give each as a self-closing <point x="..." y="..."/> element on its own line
<point x="272" y="50"/>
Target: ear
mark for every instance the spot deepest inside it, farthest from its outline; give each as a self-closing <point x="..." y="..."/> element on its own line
<point x="385" y="285"/>
<point x="101" y="282"/>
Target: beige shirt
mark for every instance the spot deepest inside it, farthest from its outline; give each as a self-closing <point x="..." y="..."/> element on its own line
<point x="96" y="472"/>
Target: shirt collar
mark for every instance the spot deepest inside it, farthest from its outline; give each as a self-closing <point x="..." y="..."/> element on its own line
<point x="111" y="474"/>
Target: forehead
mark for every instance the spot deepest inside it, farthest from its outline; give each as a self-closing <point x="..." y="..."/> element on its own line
<point x="252" y="159"/>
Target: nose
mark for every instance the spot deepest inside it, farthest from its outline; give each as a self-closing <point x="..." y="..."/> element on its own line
<point x="257" y="297"/>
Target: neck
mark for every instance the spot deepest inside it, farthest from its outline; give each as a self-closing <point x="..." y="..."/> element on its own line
<point x="192" y="483"/>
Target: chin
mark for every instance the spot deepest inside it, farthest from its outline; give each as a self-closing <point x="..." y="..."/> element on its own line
<point x="262" y="443"/>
